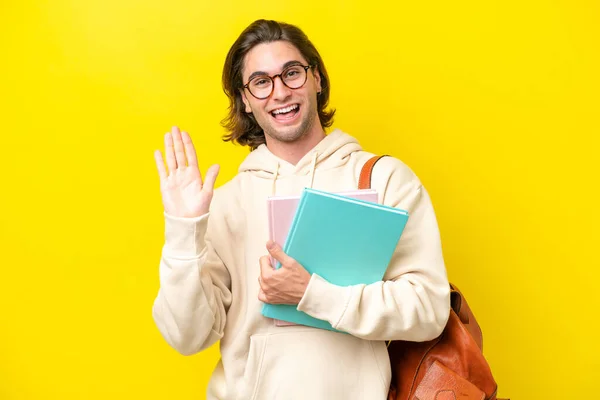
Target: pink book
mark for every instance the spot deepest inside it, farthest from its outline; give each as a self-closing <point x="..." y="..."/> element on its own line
<point x="281" y="211"/>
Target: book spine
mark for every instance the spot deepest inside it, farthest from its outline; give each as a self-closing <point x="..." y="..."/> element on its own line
<point x="292" y="230"/>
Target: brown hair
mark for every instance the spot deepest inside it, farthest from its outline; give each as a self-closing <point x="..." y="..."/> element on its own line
<point x="242" y="126"/>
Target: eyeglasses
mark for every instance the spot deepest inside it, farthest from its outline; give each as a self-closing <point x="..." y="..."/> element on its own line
<point x="293" y="77"/>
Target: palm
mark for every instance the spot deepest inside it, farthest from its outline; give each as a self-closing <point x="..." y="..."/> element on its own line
<point x="183" y="192"/>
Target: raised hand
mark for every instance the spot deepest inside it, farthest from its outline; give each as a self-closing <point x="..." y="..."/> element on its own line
<point x="183" y="192"/>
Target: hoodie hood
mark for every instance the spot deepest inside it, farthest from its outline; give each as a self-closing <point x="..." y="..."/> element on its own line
<point x="331" y="152"/>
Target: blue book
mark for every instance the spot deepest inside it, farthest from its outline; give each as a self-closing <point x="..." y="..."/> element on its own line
<point x="346" y="241"/>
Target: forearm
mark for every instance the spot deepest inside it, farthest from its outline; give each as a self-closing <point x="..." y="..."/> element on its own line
<point x="190" y="307"/>
<point x="406" y="309"/>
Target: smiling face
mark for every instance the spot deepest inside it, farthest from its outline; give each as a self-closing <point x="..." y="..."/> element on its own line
<point x="287" y="115"/>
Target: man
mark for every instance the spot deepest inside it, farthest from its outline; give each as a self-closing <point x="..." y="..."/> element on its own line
<point x="215" y="272"/>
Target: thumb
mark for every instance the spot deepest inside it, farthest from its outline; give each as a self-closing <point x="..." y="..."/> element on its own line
<point x="277" y="253"/>
<point x="211" y="177"/>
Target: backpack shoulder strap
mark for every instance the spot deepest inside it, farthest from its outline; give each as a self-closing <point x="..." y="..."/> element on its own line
<point x="364" y="181"/>
<point x="461" y="308"/>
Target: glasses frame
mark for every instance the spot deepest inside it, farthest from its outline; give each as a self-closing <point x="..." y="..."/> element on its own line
<point x="272" y="78"/>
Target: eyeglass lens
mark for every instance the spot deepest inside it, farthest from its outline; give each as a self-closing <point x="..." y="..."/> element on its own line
<point x="293" y="77"/>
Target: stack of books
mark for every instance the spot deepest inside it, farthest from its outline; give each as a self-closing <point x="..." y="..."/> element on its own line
<point x="346" y="238"/>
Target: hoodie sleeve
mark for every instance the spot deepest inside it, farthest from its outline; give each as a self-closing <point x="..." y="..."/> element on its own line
<point x="413" y="301"/>
<point x="194" y="292"/>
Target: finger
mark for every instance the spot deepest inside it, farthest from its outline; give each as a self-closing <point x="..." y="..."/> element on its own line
<point x="211" y="177"/>
<point x="266" y="269"/>
<point x="277" y="253"/>
<point x="262" y="296"/>
<point x="261" y="285"/>
<point x="178" y="144"/>
<point x="160" y="165"/>
<point x="190" y="151"/>
<point x="170" y="154"/>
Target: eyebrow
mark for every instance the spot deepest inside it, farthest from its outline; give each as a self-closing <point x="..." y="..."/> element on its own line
<point x="262" y="73"/>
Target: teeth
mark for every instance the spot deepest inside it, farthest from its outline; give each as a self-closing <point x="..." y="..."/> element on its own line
<point x="286" y="109"/>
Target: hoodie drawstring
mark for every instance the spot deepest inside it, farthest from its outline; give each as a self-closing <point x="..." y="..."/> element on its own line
<point x="312" y="168"/>
<point x="275" y="175"/>
<point x="312" y="174"/>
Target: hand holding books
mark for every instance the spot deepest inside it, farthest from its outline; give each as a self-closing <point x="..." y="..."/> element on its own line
<point x="284" y="285"/>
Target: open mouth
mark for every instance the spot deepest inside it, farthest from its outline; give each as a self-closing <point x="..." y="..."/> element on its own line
<point x="286" y="113"/>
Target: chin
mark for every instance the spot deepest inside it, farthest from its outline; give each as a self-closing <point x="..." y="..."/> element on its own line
<point x="287" y="135"/>
<point x="290" y="134"/>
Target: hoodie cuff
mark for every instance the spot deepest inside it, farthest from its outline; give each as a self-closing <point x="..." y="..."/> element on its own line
<point x="184" y="237"/>
<point x="324" y="300"/>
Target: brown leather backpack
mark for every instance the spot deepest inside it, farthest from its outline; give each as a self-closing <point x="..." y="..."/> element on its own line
<point x="449" y="367"/>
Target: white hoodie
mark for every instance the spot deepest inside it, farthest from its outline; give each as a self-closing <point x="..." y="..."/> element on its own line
<point x="209" y="285"/>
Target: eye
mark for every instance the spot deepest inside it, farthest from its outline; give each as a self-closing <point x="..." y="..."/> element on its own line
<point x="261" y="82"/>
<point x="292" y="72"/>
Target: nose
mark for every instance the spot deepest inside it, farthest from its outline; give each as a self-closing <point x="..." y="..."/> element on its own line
<point x="280" y="91"/>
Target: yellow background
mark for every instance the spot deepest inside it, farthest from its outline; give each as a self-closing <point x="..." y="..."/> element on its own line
<point x="494" y="104"/>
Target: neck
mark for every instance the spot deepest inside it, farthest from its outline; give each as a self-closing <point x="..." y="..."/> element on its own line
<point x="293" y="152"/>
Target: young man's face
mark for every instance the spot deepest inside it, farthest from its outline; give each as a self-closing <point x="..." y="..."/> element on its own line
<point x="299" y="105"/>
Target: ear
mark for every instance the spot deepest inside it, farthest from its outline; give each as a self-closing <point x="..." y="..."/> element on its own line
<point x="317" y="76"/>
<point x="246" y="102"/>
